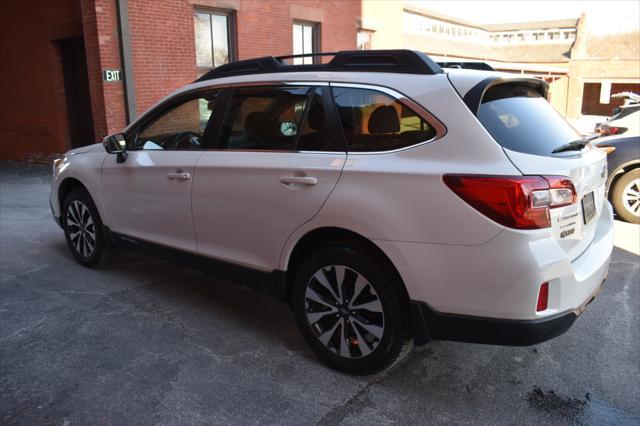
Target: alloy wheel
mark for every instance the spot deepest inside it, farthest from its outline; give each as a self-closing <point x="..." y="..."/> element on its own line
<point x="631" y="197"/>
<point x="81" y="229"/>
<point x="344" y="311"/>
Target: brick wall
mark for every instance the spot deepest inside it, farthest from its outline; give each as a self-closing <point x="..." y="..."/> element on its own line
<point x="163" y="48"/>
<point x="163" y="39"/>
<point x="33" y="119"/>
<point x="102" y="46"/>
<point x="32" y="107"/>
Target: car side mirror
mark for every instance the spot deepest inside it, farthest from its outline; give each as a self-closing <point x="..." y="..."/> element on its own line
<point x="116" y="144"/>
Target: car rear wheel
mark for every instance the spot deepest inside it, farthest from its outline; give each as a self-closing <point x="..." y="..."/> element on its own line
<point x="350" y="309"/>
<point x="626" y="196"/>
<point x="83" y="228"/>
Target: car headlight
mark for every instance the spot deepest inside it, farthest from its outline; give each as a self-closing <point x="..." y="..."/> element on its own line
<point x="56" y="164"/>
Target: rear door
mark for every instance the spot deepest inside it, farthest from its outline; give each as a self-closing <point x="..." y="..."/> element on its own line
<point x="276" y="162"/>
<point x="529" y="130"/>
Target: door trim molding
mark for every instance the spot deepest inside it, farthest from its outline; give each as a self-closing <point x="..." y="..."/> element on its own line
<point x="272" y="283"/>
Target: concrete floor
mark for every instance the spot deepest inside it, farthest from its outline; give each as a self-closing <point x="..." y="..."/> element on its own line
<point x="141" y="341"/>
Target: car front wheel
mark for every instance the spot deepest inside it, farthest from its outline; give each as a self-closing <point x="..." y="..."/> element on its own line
<point x="350" y="308"/>
<point x="83" y="228"/>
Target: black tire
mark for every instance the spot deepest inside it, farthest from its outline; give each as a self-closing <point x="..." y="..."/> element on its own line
<point x="79" y="237"/>
<point x="353" y="258"/>
<point x="618" y="193"/>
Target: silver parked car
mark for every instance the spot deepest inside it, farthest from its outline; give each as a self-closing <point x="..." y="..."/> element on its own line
<point x="386" y="199"/>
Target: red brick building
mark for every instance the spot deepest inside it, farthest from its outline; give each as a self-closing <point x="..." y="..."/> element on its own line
<point x="76" y="70"/>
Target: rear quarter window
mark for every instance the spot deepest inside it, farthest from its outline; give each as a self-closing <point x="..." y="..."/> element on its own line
<point x="521" y="120"/>
<point x="374" y="121"/>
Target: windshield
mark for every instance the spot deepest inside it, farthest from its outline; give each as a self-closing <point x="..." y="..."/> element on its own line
<point x="520" y="119"/>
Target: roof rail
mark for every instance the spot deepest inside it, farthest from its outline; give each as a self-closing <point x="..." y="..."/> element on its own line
<point x="483" y="66"/>
<point x="396" y="61"/>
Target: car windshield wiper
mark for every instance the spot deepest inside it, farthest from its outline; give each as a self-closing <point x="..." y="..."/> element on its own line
<point x="576" y="145"/>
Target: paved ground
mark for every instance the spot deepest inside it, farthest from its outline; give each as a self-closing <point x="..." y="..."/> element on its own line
<point x="145" y="342"/>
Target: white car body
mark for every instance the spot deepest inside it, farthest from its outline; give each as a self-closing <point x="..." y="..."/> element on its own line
<point x="453" y="260"/>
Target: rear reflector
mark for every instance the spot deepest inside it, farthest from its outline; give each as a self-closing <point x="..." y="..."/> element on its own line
<point x="543" y="297"/>
<point x="520" y="202"/>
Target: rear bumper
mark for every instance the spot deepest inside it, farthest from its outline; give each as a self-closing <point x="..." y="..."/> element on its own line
<point x="428" y="324"/>
<point x="501" y="278"/>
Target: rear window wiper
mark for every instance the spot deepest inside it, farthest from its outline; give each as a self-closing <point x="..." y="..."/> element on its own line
<point x="576" y="145"/>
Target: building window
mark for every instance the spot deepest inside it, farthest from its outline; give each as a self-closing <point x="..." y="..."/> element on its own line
<point x="363" y="39"/>
<point x="214" y="35"/>
<point x="305" y="40"/>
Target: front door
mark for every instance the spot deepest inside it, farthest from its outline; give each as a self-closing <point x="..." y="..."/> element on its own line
<point x="276" y="163"/>
<point x="148" y="197"/>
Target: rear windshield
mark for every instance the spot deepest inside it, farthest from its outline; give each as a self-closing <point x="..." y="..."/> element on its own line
<point x="520" y="119"/>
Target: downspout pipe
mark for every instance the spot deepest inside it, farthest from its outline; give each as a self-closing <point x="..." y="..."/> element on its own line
<point x="127" y="63"/>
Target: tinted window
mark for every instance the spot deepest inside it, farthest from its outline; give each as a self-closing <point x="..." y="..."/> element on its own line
<point x="374" y="121"/>
<point x="264" y="118"/>
<point x="315" y="134"/>
<point x="520" y="119"/>
<point x="180" y="128"/>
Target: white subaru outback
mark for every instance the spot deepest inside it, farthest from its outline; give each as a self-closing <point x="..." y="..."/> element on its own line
<point x="385" y="199"/>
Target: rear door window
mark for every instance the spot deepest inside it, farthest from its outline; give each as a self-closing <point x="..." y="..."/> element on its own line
<point x="521" y="120"/>
<point x="265" y="118"/>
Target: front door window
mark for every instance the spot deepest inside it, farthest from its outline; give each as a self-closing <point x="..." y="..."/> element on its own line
<point x="182" y="128"/>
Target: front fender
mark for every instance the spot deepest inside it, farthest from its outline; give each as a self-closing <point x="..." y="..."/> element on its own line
<point x="85" y="168"/>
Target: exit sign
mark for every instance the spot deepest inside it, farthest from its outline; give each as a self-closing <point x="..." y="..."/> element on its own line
<point x="111" y="75"/>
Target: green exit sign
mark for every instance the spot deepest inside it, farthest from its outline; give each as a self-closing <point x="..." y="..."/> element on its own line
<point x="111" y="75"/>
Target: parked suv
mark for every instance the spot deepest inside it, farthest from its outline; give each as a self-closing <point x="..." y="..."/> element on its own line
<point x="385" y="199"/>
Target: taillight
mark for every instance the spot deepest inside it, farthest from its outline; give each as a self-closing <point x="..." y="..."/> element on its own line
<point x="560" y="193"/>
<point x="543" y="297"/>
<point x="520" y="202"/>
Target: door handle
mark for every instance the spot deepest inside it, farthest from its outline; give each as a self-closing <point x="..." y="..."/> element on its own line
<point x="179" y="176"/>
<point x="299" y="180"/>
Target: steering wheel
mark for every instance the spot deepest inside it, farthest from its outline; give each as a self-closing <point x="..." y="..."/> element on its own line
<point x="186" y="140"/>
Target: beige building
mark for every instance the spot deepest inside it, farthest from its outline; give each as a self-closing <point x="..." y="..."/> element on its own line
<point x="583" y="70"/>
